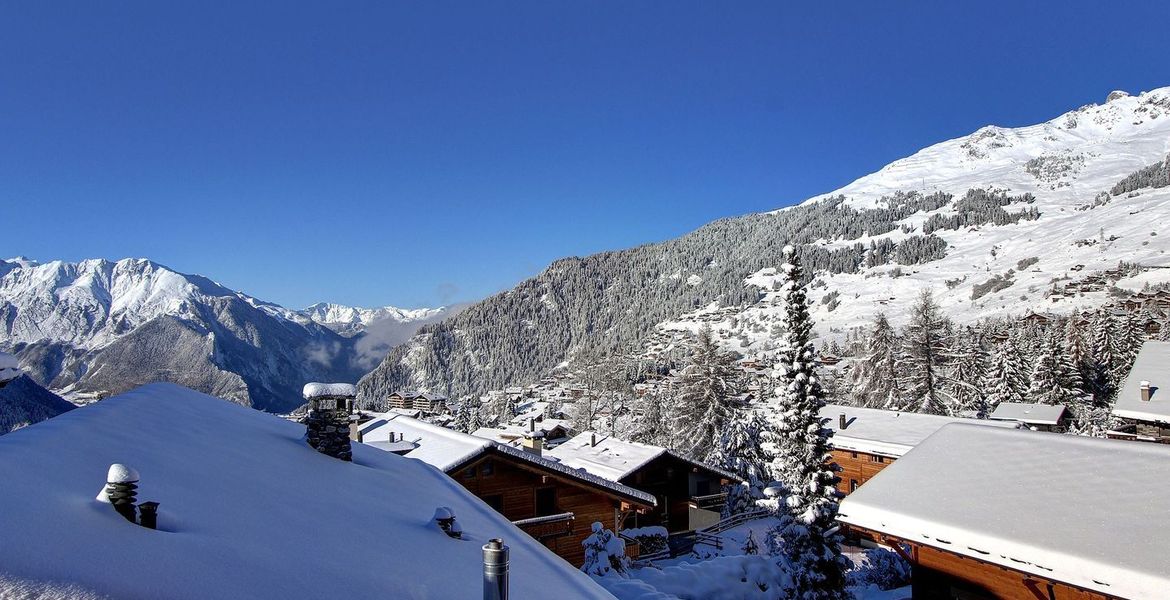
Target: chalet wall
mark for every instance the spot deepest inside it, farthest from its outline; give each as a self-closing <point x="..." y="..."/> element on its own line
<point x="515" y="487"/>
<point x="670" y="480"/>
<point x="941" y="574"/>
<point x="857" y="468"/>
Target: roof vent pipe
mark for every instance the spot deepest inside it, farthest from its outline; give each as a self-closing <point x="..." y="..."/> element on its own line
<point x="592" y="439"/>
<point x="122" y="490"/>
<point x="495" y="570"/>
<point x="1145" y="390"/>
<point x="842" y="424"/>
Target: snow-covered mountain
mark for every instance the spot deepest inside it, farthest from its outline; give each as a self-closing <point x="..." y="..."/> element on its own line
<point x="23" y="402"/>
<point x="99" y="326"/>
<point x="352" y="320"/>
<point x="1002" y="221"/>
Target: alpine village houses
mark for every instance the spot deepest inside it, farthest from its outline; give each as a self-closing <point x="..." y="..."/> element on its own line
<point x="1141" y="404"/>
<point x="553" y="503"/>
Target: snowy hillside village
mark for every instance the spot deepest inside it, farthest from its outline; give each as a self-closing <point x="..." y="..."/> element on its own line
<point x="941" y="381"/>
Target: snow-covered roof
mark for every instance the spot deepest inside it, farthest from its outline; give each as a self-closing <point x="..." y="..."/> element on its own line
<point x="437" y="446"/>
<point x="247" y="510"/>
<point x="1032" y="414"/>
<point x="886" y="432"/>
<point x="1086" y="511"/>
<point x="450" y="450"/>
<point x="1153" y="365"/>
<point x="317" y="390"/>
<point x="615" y="459"/>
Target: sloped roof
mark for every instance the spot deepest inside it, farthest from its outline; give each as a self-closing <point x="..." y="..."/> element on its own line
<point x="1030" y="413"/>
<point x="450" y="450"/>
<point x="247" y="510"/>
<point x="1089" y="512"/>
<point x="886" y="432"/>
<point x="1153" y="365"/>
<point x="615" y="459"/>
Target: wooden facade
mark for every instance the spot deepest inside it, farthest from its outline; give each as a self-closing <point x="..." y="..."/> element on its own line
<point x="676" y="483"/>
<point x="940" y="574"/>
<point x="857" y="468"/>
<point x="522" y="490"/>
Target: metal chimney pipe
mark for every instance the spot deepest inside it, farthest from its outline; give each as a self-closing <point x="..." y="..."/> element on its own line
<point x="495" y="570"/>
<point x="843" y="423"/>
<point x="148" y="515"/>
<point x="1145" y="390"/>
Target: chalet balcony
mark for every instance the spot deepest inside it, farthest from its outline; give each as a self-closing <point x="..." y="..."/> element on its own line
<point x="709" y="502"/>
<point x="547" y="527"/>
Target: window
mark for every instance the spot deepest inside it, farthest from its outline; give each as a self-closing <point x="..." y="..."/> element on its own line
<point x="852" y="455"/>
<point x="469" y="473"/>
<point x="487" y="469"/>
<point x="546" y="501"/>
<point x="853" y="485"/>
<point x="877" y="459"/>
<point x="496" y="501"/>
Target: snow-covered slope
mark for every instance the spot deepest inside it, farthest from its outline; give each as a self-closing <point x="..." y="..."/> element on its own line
<point x="991" y="223"/>
<point x="247" y="510"/>
<point x="1067" y="165"/>
<point x="100" y="326"/>
<point x="23" y="403"/>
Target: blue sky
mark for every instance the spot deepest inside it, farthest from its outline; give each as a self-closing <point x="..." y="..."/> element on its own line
<point x="425" y="152"/>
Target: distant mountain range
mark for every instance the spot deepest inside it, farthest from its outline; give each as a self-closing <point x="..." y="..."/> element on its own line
<point x="993" y="223"/>
<point x="99" y="327"/>
<point x="23" y="402"/>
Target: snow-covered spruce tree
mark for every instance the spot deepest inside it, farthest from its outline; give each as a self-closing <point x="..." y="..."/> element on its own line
<point x="1078" y="354"/>
<point x="1005" y="380"/>
<point x="1130" y="339"/>
<point x="605" y="553"/>
<point x="474" y="416"/>
<point x="709" y="386"/>
<point x="806" y="535"/>
<point x="1105" y="359"/>
<point x="1164" y="330"/>
<point x="875" y="376"/>
<point x="653" y="427"/>
<point x="926" y="347"/>
<point x="968" y="374"/>
<point x="1053" y="379"/>
<point x="741" y="450"/>
<point x="462" y="417"/>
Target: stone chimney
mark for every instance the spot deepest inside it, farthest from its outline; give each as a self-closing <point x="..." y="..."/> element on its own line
<point x="842" y="423"/>
<point x="327" y="424"/>
<point x="1144" y="386"/>
<point x="533" y="442"/>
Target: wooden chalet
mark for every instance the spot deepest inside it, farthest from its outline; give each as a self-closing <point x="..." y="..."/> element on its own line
<point x="688" y="494"/>
<point x="1142" y="403"/>
<point x="425" y="403"/>
<point x="1037" y="417"/>
<point x="985" y="513"/>
<point x="867" y="440"/>
<point x="551" y="502"/>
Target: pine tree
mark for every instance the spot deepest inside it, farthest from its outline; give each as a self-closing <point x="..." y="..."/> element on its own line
<point x="654" y="425"/>
<point x="806" y="535"/>
<point x="1078" y="354"/>
<point x="708" y="390"/>
<point x="1164" y="330"/>
<point x="968" y="374"/>
<point x="742" y="450"/>
<point x="875" y="377"/>
<point x="462" y="417"/>
<point x="1053" y="377"/>
<point x="926" y="351"/>
<point x="474" y="416"/>
<point x="1105" y="359"/>
<point x="1005" y="380"/>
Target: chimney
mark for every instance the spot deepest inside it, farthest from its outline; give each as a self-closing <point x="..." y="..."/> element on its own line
<point x="842" y="423"/>
<point x="531" y="424"/>
<point x="495" y="570"/>
<point x="533" y="443"/>
<point x="148" y="512"/>
<point x="1145" y="390"/>
<point x="592" y="439"/>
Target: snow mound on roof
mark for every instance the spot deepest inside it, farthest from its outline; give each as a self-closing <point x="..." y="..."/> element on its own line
<point x="316" y="390"/>
<point x="1086" y="511"/>
<point x="248" y="510"/>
